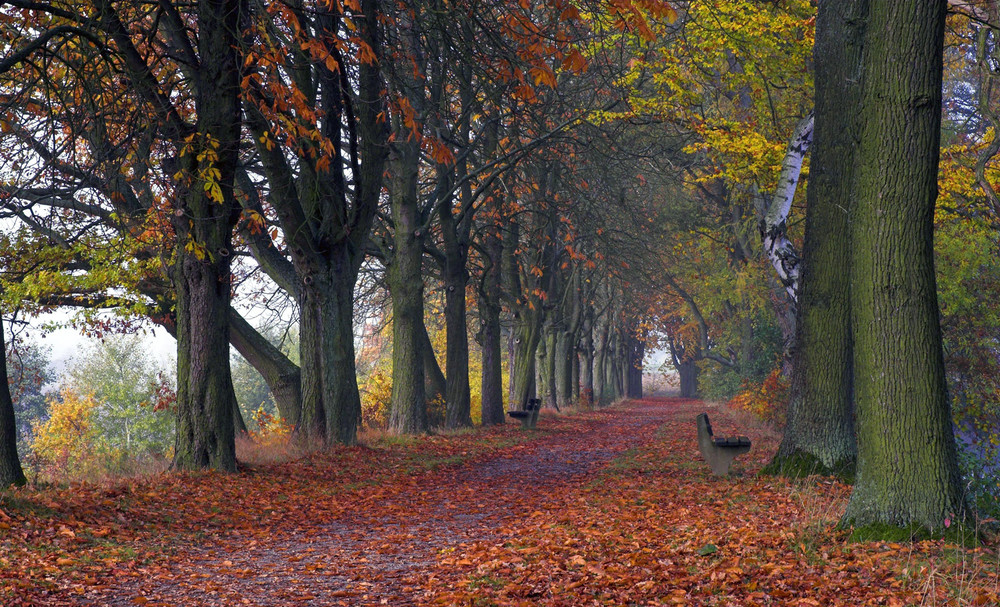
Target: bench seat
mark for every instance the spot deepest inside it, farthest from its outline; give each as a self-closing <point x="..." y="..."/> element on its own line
<point x="719" y="452"/>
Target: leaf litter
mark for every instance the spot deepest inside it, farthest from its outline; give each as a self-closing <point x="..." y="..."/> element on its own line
<point x="612" y="507"/>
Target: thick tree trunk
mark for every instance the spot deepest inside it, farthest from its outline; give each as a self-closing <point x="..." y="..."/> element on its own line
<point x="408" y="408"/>
<point x="10" y="465"/>
<point x="331" y="402"/>
<point x="204" y="223"/>
<point x="205" y="397"/>
<point x="819" y="434"/>
<point x="907" y="470"/>
<point x="688" y="371"/>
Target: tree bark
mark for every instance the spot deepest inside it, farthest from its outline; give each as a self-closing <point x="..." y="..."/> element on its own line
<point x="907" y="471"/>
<point x="10" y="465"/>
<point x="491" y="341"/>
<point x="281" y="374"/>
<point x="819" y="433"/>
<point x="408" y="408"/>
<point x="204" y="223"/>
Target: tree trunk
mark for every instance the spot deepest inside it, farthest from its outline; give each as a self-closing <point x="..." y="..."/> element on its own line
<point x="819" y="433"/>
<point x="204" y="223"/>
<point x="527" y="334"/>
<point x="10" y="465"/>
<point x="563" y="371"/>
<point x="281" y="374"/>
<point x="435" y="384"/>
<point x="587" y="359"/>
<point x="458" y="396"/>
<point x="635" y="352"/>
<point x="489" y="313"/>
<point x="331" y="402"/>
<point x="408" y="408"/>
<point x="600" y="365"/>
<point x="205" y="397"/>
<point x="688" y="370"/>
<point x="907" y="470"/>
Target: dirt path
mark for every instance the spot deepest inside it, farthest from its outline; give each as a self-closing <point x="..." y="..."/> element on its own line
<point x="384" y="552"/>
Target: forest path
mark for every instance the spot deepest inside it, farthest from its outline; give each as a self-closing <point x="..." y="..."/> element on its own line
<point x="609" y="507"/>
<point x="387" y="549"/>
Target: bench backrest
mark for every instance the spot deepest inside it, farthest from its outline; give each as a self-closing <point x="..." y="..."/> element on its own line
<point x="704" y="424"/>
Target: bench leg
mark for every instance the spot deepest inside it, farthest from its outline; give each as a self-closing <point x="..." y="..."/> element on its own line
<point x="721" y="459"/>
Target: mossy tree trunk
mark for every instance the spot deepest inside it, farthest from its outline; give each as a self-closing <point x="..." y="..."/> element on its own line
<point x="10" y="465"/>
<point x="819" y="435"/>
<point x="907" y="472"/>
<point x="204" y="222"/>
<point x="408" y="407"/>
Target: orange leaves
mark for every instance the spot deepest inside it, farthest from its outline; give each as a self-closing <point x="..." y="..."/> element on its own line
<point x="542" y="74"/>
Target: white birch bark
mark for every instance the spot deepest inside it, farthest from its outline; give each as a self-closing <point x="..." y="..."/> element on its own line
<point x="773" y="220"/>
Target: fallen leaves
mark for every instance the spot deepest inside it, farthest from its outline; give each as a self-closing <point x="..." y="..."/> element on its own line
<point x="612" y="507"/>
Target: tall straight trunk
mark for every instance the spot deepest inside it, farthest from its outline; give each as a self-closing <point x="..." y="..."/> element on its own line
<point x="574" y="374"/>
<point x="458" y="397"/>
<point x="819" y="434"/>
<point x="331" y="402"/>
<point x="408" y="407"/>
<point x="10" y="465"/>
<point x="907" y="471"/>
<point x="619" y="371"/>
<point x="551" y="394"/>
<point x="635" y="351"/>
<point x="600" y="363"/>
<point x="205" y="396"/>
<point x="563" y="371"/>
<point x="204" y="224"/>
<point x="587" y="359"/>
<point x="491" y="340"/>
<point x="688" y="370"/>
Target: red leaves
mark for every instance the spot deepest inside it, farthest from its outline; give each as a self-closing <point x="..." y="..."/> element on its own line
<point x="609" y="507"/>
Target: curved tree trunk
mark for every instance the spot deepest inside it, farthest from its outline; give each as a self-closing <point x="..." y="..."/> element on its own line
<point x="281" y="374"/>
<point x="907" y="471"/>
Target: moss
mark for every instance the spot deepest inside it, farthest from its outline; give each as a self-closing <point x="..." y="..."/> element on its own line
<point x="962" y="535"/>
<point x="801" y="464"/>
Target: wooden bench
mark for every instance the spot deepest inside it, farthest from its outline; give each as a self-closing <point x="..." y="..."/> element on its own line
<point x="719" y="452"/>
<point x="528" y="415"/>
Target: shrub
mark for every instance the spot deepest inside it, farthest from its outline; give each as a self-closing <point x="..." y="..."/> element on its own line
<point x="768" y="400"/>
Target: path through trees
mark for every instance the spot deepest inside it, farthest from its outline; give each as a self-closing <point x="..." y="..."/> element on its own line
<point x="606" y="507"/>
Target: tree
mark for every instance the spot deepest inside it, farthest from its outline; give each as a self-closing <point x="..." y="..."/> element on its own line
<point x="907" y="472"/>
<point x="120" y="376"/>
<point x="819" y="435"/>
<point x="10" y="465"/>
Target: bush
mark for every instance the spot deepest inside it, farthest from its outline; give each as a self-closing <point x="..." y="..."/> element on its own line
<point x="768" y="400"/>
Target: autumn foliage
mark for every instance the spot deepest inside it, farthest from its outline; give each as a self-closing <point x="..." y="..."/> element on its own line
<point x="768" y="400"/>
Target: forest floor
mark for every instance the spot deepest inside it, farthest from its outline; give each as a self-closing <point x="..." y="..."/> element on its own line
<point x="611" y="507"/>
